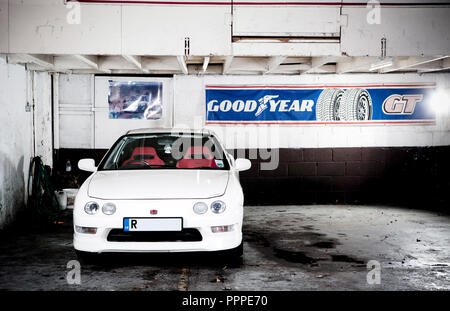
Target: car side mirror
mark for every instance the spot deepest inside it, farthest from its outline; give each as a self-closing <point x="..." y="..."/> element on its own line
<point x="87" y="165"/>
<point x="243" y="164"/>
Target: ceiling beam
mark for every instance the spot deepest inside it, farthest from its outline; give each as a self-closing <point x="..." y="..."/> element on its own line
<point x="34" y="67"/>
<point x="324" y="69"/>
<point x="402" y="63"/>
<point x="160" y="63"/>
<point x="182" y="64"/>
<point x="41" y="60"/>
<point x="277" y="64"/>
<point x="293" y="68"/>
<point x="355" y="64"/>
<point x="45" y="61"/>
<point x="227" y="64"/>
<point x="302" y="67"/>
<point x="444" y="65"/>
<point x="93" y="62"/>
<point x="91" y="71"/>
<point x="116" y="62"/>
<point x="198" y="69"/>
<point x="317" y="62"/>
<point x="90" y="60"/>
<point x="240" y="64"/>
<point x="205" y="63"/>
<point x="293" y="59"/>
<point x="136" y="61"/>
<point x="274" y="62"/>
<point x="267" y="49"/>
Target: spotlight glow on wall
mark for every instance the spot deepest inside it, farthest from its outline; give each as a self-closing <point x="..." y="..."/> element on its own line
<point x="440" y="101"/>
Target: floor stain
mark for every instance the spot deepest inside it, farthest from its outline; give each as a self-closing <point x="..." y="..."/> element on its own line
<point x="293" y="256"/>
<point x="345" y="258"/>
<point x="324" y="244"/>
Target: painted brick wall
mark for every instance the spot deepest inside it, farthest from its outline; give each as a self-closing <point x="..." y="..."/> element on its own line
<point x="405" y="176"/>
<point x="402" y="176"/>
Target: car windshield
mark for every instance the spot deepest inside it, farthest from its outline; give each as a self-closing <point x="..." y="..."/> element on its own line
<point x="165" y="151"/>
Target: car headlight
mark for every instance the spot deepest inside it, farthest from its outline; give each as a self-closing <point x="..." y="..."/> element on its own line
<point x="109" y="208"/>
<point x="91" y="208"/>
<point x="200" y="208"/>
<point x="217" y="207"/>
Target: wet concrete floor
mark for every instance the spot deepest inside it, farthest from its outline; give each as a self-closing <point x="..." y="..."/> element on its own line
<point x="285" y="248"/>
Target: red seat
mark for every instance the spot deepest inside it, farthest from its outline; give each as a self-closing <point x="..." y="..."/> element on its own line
<point x="147" y="154"/>
<point x="197" y="156"/>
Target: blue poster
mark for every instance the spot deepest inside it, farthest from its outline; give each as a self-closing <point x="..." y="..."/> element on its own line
<point x="368" y="104"/>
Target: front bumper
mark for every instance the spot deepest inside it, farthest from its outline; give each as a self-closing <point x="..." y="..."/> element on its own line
<point x="211" y="242"/>
<point x="99" y="243"/>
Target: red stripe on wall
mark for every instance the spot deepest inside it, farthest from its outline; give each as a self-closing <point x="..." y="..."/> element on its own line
<point x="339" y="3"/>
<point x="322" y="123"/>
<point x="260" y="3"/>
<point x="314" y="86"/>
<point x="152" y="2"/>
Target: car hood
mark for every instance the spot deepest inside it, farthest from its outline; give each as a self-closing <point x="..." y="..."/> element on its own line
<point x="158" y="184"/>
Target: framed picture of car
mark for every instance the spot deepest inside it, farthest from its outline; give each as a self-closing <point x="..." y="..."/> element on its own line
<point x="125" y="103"/>
<point x="135" y="100"/>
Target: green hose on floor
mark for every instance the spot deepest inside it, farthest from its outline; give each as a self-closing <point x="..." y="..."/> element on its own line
<point x="41" y="196"/>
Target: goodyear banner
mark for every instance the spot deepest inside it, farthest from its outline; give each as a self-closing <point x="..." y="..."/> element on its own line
<point x="303" y="104"/>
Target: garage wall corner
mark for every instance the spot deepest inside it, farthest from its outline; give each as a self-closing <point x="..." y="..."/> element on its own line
<point x="15" y="140"/>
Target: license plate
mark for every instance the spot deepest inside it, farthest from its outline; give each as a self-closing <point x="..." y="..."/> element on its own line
<point x="152" y="224"/>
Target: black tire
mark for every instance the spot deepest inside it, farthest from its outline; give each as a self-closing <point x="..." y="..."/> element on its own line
<point x="356" y="105"/>
<point x="87" y="257"/>
<point x="238" y="251"/>
<point x="328" y="105"/>
<point x="234" y="253"/>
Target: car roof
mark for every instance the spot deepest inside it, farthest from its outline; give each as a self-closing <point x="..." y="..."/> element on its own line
<point x="170" y="130"/>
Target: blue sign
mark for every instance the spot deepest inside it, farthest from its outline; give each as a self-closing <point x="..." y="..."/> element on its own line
<point x="372" y="104"/>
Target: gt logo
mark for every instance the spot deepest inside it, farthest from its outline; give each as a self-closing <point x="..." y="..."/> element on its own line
<point x="153" y="212"/>
<point x="401" y="104"/>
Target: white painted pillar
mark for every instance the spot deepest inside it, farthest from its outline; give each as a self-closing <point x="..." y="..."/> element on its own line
<point x="43" y="134"/>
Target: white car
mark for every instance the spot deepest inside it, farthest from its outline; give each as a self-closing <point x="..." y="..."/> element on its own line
<point x="161" y="191"/>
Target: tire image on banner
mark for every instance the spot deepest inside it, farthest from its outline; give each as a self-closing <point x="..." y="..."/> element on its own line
<point x="328" y="105"/>
<point x="355" y="105"/>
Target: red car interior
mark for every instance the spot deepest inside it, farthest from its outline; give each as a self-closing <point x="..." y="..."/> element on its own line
<point x="197" y="156"/>
<point x="147" y="154"/>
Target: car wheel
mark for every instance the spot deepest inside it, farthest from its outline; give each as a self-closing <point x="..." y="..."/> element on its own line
<point x="235" y="253"/>
<point x="86" y="257"/>
<point x="328" y="105"/>
<point x="356" y="105"/>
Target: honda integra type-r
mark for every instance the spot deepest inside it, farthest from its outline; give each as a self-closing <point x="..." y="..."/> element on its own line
<point x="161" y="191"/>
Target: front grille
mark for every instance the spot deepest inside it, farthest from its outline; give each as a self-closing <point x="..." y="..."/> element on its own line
<point x="186" y="235"/>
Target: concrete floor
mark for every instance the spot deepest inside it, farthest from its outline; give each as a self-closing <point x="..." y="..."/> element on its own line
<point x="286" y="248"/>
